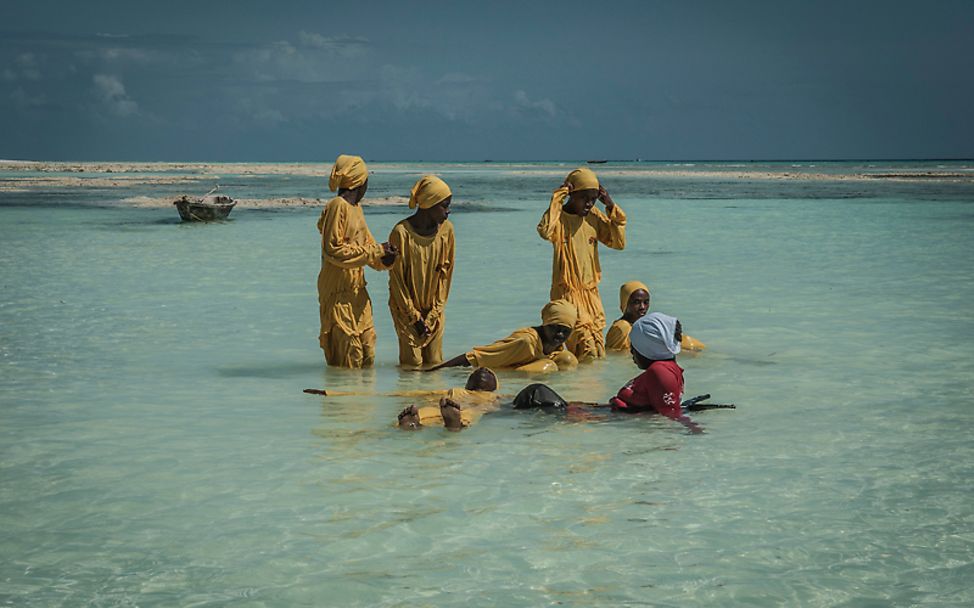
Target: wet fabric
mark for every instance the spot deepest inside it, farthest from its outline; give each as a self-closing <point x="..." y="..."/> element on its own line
<point x="521" y="347"/>
<point x="473" y="405"/>
<point x="428" y="192"/>
<point x="659" y="387"/>
<point x="575" y="270"/>
<point x="419" y="285"/>
<point x="653" y="336"/>
<point x="347" y="333"/>
<point x="559" y="312"/>
<point x="538" y="395"/>
<point x="617" y="338"/>
<point x="348" y="172"/>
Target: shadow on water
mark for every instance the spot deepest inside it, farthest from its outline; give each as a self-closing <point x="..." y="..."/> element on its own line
<point x="137" y="226"/>
<point x="272" y="371"/>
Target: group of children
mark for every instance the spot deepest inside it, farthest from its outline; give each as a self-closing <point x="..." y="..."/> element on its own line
<point x="419" y="255"/>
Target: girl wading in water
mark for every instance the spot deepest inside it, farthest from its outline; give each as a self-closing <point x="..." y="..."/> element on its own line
<point x="419" y="280"/>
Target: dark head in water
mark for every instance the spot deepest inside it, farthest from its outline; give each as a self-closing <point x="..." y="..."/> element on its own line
<point x="482" y="379"/>
<point x="538" y="396"/>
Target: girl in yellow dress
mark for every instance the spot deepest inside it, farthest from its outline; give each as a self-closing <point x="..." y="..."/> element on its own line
<point x="634" y="299"/>
<point x="575" y="228"/>
<point x="419" y="280"/>
<point x="531" y="349"/>
<point x="347" y="332"/>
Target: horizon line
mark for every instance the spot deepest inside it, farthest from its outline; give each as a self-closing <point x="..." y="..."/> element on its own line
<point x="533" y="160"/>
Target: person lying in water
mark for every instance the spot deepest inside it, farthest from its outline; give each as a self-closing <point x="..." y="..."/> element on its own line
<point x="460" y="408"/>
<point x="634" y="301"/>
<point x="531" y="349"/>
<point x="454" y="413"/>
<point x="456" y="408"/>
<point x="654" y="344"/>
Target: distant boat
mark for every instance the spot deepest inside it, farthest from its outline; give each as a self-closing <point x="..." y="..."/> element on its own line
<point x="210" y="207"/>
<point x="597" y="162"/>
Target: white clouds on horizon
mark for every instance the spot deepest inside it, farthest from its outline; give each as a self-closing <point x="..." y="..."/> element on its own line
<point x="307" y="78"/>
<point x="110" y="91"/>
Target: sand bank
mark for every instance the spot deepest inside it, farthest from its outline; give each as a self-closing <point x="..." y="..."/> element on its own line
<point x="25" y="176"/>
<point x="262" y="203"/>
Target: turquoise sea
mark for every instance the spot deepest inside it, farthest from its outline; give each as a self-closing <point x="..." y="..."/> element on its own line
<point x="156" y="448"/>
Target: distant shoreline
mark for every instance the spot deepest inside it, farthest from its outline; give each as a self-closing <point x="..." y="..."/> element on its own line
<point x="26" y="176"/>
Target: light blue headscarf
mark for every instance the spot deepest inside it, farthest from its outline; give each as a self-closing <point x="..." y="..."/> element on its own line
<point x="653" y="336"/>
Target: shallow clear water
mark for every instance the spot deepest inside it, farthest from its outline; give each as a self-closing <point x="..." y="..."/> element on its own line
<point x="156" y="448"/>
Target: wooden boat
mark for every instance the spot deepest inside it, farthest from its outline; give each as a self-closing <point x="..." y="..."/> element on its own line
<point x="209" y="208"/>
<point x="597" y="162"/>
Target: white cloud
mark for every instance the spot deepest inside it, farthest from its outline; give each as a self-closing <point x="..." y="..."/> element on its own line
<point x="347" y="46"/>
<point x="111" y="92"/>
<point x="544" y="108"/>
<point x="313" y="58"/>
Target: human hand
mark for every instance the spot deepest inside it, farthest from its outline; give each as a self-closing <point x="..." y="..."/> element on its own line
<point x="389" y="253"/>
<point x="421" y="329"/>
<point x="605" y="198"/>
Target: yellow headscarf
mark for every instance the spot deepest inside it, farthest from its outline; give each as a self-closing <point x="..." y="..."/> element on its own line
<point x="428" y="192"/>
<point x="349" y="172"/>
<point x="559" y="312"/>
<point x="582" y="178"/>
<point x="626" y="290"/>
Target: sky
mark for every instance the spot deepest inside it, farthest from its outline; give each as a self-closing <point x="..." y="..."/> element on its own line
<point x="497" y="80"/>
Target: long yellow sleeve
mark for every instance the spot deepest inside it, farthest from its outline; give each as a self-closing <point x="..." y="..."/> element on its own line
<point x="345" y="238"/>
<point x="549" y="228"/>
<point x="522" y="346"/>
<point x="610" y="228"/>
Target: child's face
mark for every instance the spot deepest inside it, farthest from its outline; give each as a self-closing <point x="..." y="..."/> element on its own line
<point x="582" y="201"/>
<point x="638" y="303"/>
<point x="441" y="211"/>
<point x="557" y="334"/>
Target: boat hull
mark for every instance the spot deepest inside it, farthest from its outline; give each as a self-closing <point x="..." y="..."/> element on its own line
<point x="191" y="211"/>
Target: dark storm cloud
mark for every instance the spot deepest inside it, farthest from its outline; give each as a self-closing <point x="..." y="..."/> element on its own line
<point x="444" y="80"/>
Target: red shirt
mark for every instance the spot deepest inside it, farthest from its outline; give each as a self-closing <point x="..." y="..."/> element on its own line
<point x="660" y="387"/>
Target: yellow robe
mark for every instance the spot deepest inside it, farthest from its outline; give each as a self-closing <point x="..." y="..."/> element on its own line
<point x="473" y="405"/>
<point x="347" y="332"/>
<point x="618" y="338"/>
<point x="575" y="269"/>
<point x="518" y="349"/>
<point x="419" y="284"/>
